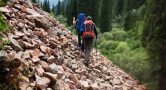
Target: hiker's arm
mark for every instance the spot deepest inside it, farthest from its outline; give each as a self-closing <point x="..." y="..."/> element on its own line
<point x="95" y="30"/>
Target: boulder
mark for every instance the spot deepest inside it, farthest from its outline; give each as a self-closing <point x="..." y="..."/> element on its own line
<point x="53" y="68"/>
<point x="42" y="23"/>
<point x="35" y="59"/>
<point x="84" y="85"/>
<point x="42" y="82"/>
<point x="52" y="77"/>
<point x="40" y="72"/>
<point x="4" y="9"/>
<point x="51" y="60"/>
<point x="15" y="44"/>
<point x="94" y="86"/>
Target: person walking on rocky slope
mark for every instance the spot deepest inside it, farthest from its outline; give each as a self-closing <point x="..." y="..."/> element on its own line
<point x="88" y="31"/>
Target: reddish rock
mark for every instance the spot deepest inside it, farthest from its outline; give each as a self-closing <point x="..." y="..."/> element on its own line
<point x="31" y="26"/>
<point x="84" y="85"/>
<point x="83" y="71"/>
<point x="52" y="77"/>
<point x="43" y="64"/>
<point x="30" y="18"/>
<point x="78" y="85"/>
<point x="73" y="78"/>
<point x="23" y="9"/>
<point x="26" y="55"/>
<point x="68" y="36"/>
<point x="21" y="25"/>
<point x="64" y="43"/>
<point x="35" y="59"/>
<point x="23" y="16"/>
<point x="17" y="33"/>
<point x="51" y="60"/>
<point x="71" y="86"/>
<point x="60" y="74"/>
<point x="53" y="52"/>
<point x="43" y="48"/>
<point x="61" y="26"/>
<point x="107" y="78"/>
<point x="116" y="81"/>
<point x="25" y="38"/>
<point x="42" y="82"/>
<point x="40" y="72"/>
<point x="34" y="52"/>
<point x="94" y="86"/>
<point x="41" y="22"/>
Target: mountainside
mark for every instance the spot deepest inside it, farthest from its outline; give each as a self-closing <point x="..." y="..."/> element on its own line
<point x="43" y="54"/>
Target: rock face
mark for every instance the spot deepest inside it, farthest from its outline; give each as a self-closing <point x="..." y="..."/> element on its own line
<point x="44" y="55"/>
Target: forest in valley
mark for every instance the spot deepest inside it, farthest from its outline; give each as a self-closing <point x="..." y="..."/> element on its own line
<point x="131" y="33"/>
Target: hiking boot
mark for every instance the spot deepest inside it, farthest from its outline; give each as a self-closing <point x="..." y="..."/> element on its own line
<point x="86" y="62"/>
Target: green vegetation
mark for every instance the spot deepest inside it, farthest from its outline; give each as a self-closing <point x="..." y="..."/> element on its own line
<point x="58" y="8"/>
<point x="105" y="16"/>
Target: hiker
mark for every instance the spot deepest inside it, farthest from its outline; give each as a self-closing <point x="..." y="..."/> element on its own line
<point x="88" y="31"/>
<point x="79" y="22"/>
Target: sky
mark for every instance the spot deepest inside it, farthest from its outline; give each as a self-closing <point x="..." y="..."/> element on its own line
<point x="55" y="2"/>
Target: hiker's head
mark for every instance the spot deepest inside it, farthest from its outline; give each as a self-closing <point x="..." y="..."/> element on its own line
<point x="89" y="18"/>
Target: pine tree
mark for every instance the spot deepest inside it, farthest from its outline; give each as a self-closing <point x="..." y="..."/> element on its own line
<point x="48" y="7"/>
<point x="58" y="8"/>
<point x="105" y="16"/>
<point x="119" y="7"/>
<point x="41" y="5"/>
<point x="67" y="9"/>
<point x="81" y="6"/>
<point x="63" y="9"/>
<point x="45" y="5"/>
<point x="87" y="7"/>
<point x="95" y="11"/>
<point x="154" y="38"/>
<point x="53" y="8"/>
<point x="74" y="9"/>
<point x="69" y="16"/>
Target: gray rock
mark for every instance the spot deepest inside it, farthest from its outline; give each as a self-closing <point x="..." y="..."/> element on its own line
<point x="59" y="32"/>
<point x="15" y="44"/>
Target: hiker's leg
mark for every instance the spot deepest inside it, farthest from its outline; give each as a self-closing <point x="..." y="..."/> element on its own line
<point x="79" y="39"/>
<point x="82" y="45"/>
<point x="89" y="47"/>
<point x="85" y="47"/>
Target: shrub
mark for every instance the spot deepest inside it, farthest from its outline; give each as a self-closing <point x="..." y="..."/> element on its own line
<point x="118" y="34"/>
<point x="122" y="47"/>
<point x="61" y="18"/>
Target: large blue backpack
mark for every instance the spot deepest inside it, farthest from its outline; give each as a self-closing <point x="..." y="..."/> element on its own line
<point x="81" y="19"/>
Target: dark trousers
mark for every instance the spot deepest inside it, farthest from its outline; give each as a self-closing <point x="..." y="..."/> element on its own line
<point x="79" y="38"/>
<point x="88" y="47"/>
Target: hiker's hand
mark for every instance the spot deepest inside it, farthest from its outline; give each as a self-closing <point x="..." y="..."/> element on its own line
<point x="96" y="37"/>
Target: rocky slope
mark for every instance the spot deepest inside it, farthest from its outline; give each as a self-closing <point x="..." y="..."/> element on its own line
<point x="43" y="54"/>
